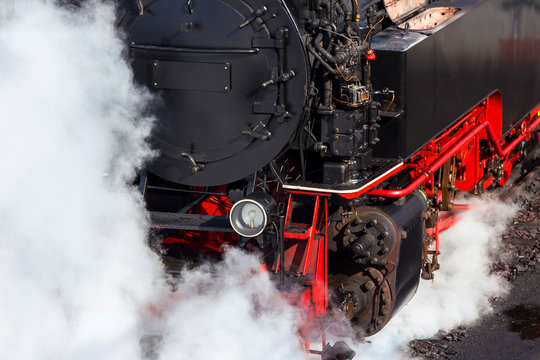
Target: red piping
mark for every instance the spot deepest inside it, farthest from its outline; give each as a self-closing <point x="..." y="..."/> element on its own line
<point x="463" y="207"/>
<point x="424" y="176"/>
<point x="503" y="152"/>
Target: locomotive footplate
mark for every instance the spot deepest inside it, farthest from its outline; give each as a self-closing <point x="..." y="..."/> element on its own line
<point x="380" y="168"/>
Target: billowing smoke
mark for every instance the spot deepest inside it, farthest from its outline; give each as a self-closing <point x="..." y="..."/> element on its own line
<point x="77" y="280"/>
<point x="461" y="290"/>
<point x="231" y="310"/>
<point x="6" y="10"/>
<point x="71" y="137"/>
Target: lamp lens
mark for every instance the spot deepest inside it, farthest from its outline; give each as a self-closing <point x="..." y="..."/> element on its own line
<point x="252" y="215"/>
<point x="248" y="218"/>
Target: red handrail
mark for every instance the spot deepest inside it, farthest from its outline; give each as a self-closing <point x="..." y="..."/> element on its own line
<point x="425" y="174"/>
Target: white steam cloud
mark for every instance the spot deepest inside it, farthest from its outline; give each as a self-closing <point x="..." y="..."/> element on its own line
<point x="231" y="311"/>
<point x="69" y="114"/>
<point x="76" y="277"/>
<point x="461" y="290"/>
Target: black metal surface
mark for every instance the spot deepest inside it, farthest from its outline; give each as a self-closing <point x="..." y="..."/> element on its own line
<point x="440" y="74"/>
<point x="191" y="222"/>
<point x="183" y="75"/>
<point x="216" y="122"/>
<point x="408" y="219"/>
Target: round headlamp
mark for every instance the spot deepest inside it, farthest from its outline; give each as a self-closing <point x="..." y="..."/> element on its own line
<point x="249" y="216"/>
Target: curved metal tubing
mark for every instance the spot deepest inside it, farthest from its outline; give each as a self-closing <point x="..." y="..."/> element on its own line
<point x="424" y="176"/>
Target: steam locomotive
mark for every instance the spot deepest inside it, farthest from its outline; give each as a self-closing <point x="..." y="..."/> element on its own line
<point x="331" y="136"/>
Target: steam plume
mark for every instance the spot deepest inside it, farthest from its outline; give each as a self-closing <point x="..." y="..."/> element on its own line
<point x="70" y="113"/>
<point x="229" y="311"/>
<point x="77" y="279"/>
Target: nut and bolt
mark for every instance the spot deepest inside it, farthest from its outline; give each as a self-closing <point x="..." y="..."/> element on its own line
<point x="369" y="286"/>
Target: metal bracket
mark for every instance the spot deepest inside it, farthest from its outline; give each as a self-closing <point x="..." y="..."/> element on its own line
<point x="259" y="131"/>
<point x="196" y="167"/>
<point x="140" y="6"/>
<point x="447" y="184"/>
<point x="286" y="76"/>
<point x="190" y="7"/>
<point x="143" y="182"/>
<point x="258" y="13"/>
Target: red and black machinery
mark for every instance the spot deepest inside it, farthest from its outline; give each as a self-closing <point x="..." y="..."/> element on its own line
<point x="331" y="135"/>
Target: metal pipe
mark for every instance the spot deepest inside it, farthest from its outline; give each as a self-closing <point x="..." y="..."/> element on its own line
<point x="321" y="60"/>
<point x="327" y="94"/>
<point x="509" y="147"/>
<point x="463" y="207"/>
<point x="282" y="251"/>
<point x="193" y="50"/>
<point x="339" y="58"/>
<point x="424" y="176"/>
<point x="339" y="10"/>
<point x="348" y="6"/>
<point x="192" y="204"/>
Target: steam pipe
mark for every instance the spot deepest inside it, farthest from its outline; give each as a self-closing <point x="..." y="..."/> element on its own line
<point x="321" y="60"/>
<point x="327" y="5"/>
<point x="340" y="10"/>
<point x="424" y="176"/>
<point x="348" y="6"/>
<point x="333" y="59"/>
<point x="327" y="96"/>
